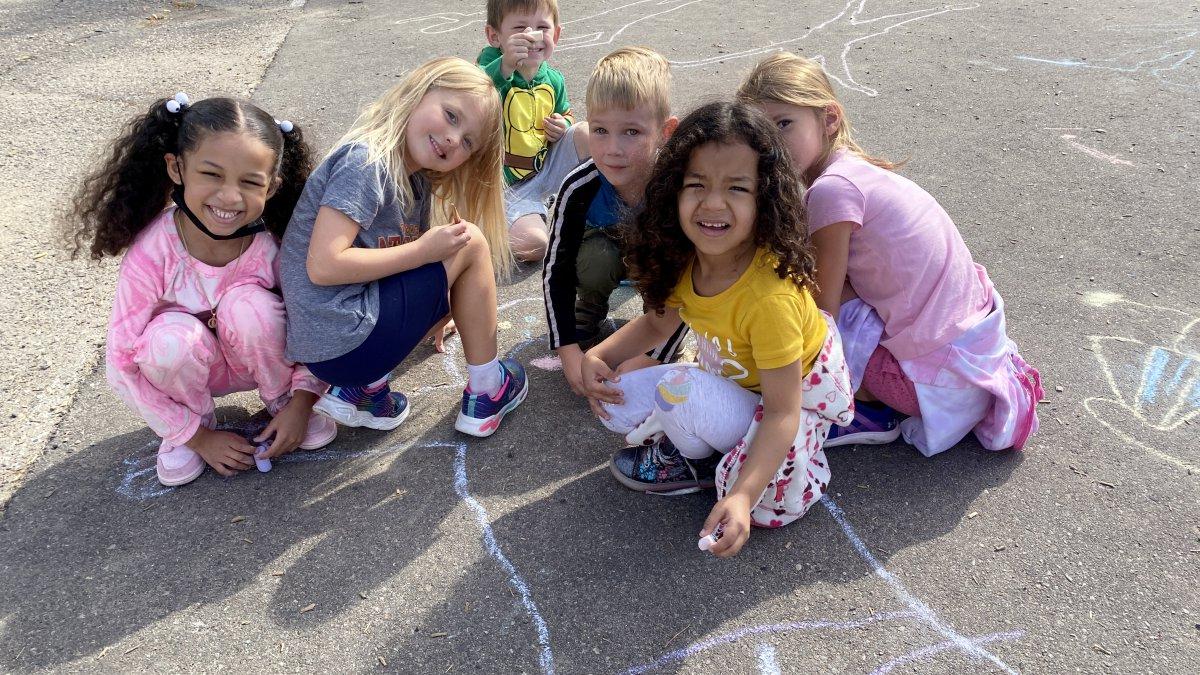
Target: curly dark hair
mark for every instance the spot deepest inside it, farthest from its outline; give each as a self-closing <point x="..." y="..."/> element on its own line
<point x="658" y="251"/>
<point x="127" y="190"/>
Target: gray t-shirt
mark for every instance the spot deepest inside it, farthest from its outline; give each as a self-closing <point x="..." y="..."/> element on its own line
<point x="325" y="322"/>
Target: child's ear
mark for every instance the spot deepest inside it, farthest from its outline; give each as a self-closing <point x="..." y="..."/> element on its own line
<point x="833" y="119"/>
<point x="557" y="32"/>
<point x="174" y="170"/>
<point x="492" y="35"/>
<point x="668" y="128"/>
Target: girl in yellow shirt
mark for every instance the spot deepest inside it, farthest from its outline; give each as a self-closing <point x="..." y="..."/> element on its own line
<point x="722" y="245"/>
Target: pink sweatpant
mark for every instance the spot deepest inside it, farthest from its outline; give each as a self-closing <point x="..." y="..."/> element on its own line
<point x="887" y="382"/>
<point x="180" y="357"/>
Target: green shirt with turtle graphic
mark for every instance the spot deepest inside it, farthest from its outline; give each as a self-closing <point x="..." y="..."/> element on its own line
<point x="525" y="103"/>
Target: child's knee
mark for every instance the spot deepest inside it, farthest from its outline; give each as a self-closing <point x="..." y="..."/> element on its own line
<point x="528" y="237"/>
<point x="250" y="314"/>
<point x="673" y="389"/>
<point x="598" y="265"/>
<point x="579" y="135"/>
<point x="174" y="342"/>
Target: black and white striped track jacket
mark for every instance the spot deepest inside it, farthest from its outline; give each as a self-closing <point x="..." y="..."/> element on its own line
<point x="559" y="281"/>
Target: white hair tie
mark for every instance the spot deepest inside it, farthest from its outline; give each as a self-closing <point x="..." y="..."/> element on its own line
<point x="285" y="126"/>
<point x="178" y="103"/>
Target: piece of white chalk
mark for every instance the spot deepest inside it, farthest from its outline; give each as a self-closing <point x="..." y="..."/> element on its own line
<point x="707" y="542"/>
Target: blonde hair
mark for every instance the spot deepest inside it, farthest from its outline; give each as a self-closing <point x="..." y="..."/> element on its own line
<point x="794" y="80"/>
<point x="498" y="9"/>
<point x="631" y="78"/>
<point x="476" y="186"/>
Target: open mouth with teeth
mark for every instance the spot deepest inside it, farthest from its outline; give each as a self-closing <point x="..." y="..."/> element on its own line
<point x="437" y="149"/>
<point x="222" y="216"/>
<point x="712" y="228"/>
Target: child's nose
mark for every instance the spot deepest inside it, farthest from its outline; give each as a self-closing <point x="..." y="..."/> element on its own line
<point x="230" y="194"/>
<point x="714" y="200"/>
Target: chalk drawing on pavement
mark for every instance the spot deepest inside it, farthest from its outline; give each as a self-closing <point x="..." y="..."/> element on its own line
<point x="828" y="41"/>
<point x="1154" y="387"/>
<point x="140" y="484"/>
<point x="1164" y="61"/>
<point x="1092" y="152"/>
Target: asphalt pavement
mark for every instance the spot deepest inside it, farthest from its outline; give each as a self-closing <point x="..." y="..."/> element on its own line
<point x="1061" y="139"/>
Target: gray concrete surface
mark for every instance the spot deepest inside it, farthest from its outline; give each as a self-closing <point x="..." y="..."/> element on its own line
<point x="71" y="72"/>
<point x="1072" y="174"/>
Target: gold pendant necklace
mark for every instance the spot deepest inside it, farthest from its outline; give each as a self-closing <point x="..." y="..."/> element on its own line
<point x="212" y="316"/>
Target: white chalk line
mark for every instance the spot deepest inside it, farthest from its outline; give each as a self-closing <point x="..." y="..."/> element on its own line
<point x="444" y="22"/>
<point x="963" y="643"/>
<point x="546" y="655"/>
<point x="1092" y="152"/>
<point x="1131" y="404"/>
<point x="1128" y="438"/>
<point x="925" y="653"/>
<point x="1173" y="60"/>
<point x="791" y="626"/>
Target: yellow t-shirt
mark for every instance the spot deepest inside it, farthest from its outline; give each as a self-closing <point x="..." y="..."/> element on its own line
<point x="760" y="322"/>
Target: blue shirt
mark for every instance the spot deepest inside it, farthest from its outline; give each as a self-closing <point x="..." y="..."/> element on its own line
<point x="606" y="208"/>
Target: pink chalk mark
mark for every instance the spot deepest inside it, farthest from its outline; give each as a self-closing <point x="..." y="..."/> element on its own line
<point x="547" y="363"/>
<point x="1092" y="152"/>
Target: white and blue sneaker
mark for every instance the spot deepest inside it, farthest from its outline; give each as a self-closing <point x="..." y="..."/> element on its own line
<point x="481" y="414"/>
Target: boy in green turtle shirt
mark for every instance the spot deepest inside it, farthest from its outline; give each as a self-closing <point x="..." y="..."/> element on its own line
<point x="541" y="142"/>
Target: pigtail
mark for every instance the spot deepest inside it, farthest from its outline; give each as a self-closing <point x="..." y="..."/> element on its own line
<point x="296" y="163"/>
<point x="126" y="191"/>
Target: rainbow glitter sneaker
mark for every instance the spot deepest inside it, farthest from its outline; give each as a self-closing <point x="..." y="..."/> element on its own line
<point x="481" y="414"/>
<point x="873" y="424"/>
<point x="658" y="468"/>
<point x="372" y="407"/>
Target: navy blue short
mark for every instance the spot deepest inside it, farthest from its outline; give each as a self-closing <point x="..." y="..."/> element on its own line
<point x="410" y="303"/>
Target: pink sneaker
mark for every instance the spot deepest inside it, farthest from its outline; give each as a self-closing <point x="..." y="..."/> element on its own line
<point x="320" y="431"/>
<point x="178" y="465"/>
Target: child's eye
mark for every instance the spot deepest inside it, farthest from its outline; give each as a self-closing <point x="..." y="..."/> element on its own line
<point x="451" y="116"/>
<point x="632" y="132"/>
<point x="739" y="188"/>
<point x="692" y="185"/>
<point x="252" y="183"/>
<point x="783" y="124"/>
<point x="468" y="144"/>
<point x="598" y="130"/>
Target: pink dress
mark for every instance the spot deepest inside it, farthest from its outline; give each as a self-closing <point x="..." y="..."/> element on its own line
<point x="924" y="299"/>
<point x="163" y="358"/>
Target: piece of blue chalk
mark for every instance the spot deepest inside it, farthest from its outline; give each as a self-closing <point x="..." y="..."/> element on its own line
<point x="263" y="464"/>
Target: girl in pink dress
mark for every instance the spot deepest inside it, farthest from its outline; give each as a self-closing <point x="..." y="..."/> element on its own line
<point x="922" y="327"/>
<point x="195" y="314"/>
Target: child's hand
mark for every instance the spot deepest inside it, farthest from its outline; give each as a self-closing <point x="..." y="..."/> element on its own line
<point x="440" y="331"/>
<point x="733" y="514"/>
<point x="442" y="242"/>
<point x="596" y="376"/>
<point x="555" y="126"/>
<point x="515" y="50"/>
<point x="572" y="363"/>
<point x="225" y="452"/>
<point x="289" y="426"/>
<point x="637" y="363"/>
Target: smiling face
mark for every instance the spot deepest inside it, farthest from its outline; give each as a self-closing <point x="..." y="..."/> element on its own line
<point x="537" y="21"/>
<point x="228" y="178"/>
<point x="624" y="144"/>
<point x="443" y="130"/>
<point x="718" y="203"/>
<point x="805" y="131"/>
